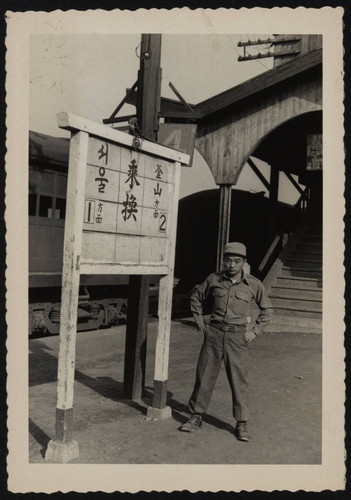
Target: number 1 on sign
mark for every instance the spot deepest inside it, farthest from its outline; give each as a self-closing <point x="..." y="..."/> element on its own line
<point x="163" y="223"/>
<point x="89" y="212"/>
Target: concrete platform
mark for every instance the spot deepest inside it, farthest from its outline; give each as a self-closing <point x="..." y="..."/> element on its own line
<point x="285" y="402"/>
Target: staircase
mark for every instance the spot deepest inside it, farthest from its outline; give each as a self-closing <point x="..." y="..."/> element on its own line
<point x="294" y="283"/>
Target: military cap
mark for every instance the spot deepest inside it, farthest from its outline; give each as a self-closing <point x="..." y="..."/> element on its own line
<point x="235" y="248"/>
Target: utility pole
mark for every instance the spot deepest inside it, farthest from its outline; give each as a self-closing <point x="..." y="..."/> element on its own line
<point x="149" y="86"/>
<point x="148" y="107"/>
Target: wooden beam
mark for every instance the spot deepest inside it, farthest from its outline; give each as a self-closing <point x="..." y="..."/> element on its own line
<point x="167" y="104"/>
<point x="93" y="268"/>
<point x="267" y="54"/>
<point x="293" y="182"/>
<point x="136" y="337"/>
<point x="273" y="41"/>
<point x="119" y="119"/>
<point x="148" y="102"/>
<point x="181" y="98"/>
<point x="71" y="122"/>
<point x="274" y="184"/>
<point x="224" y="221"/>
<point x="70" y="274"/>
<point x="129" y="92"/>
<point x="273" y="203"/>
<point x="269" y="253"/>
<point x="63" y="448"/>
<point x="181" y="114"/>
<point x="159" y="402"/>
<point x="259" y="174"/>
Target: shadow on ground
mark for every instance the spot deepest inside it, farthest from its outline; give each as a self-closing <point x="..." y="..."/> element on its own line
<point x="43" y="370"/>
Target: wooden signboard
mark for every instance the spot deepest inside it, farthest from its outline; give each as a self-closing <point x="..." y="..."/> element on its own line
<point x="121" y="217"/>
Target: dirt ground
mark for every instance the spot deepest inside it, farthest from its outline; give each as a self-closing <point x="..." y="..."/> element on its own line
<point x="285" y="402"/>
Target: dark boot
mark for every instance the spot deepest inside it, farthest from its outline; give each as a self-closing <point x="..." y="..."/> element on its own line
<point x="241" y="432"/>
<point x="191" y="425"/>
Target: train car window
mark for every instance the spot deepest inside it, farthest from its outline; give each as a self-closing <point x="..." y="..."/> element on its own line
<point x="60" y="208"/>
<point x="32" y="204"/>
<point x="61" y="185"/>
<point x="45" y="206"/>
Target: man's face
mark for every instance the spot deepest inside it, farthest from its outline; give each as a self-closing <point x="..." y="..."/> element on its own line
<point x="233" y="265"/>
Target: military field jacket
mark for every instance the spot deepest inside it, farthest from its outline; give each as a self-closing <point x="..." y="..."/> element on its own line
<point x="231" y="301"/>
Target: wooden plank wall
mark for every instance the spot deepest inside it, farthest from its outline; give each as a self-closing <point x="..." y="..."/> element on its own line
<point x="305" y="44"/>
<point x="311" y="42"/>
<point x="227" y="140"/>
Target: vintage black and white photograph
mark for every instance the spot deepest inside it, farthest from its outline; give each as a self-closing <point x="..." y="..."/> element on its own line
<point x="177" y="250"/>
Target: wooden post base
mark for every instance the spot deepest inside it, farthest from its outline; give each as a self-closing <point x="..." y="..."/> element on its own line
<point x="61" y="452"/>
<point x="159" y="399"/>
<point x="159" y="413"/>
<point x="159" y="409"/>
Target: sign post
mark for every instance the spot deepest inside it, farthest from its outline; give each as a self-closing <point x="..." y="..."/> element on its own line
<point x="63" y="448"/>
<point x="159" y="408"/>
<point x="121" y="219"/>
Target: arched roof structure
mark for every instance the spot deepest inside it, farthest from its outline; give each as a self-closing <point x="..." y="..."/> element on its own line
<point x="238" y="120"/>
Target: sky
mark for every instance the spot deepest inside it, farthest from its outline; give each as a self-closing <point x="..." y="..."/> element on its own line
<point x="87" y="75"/>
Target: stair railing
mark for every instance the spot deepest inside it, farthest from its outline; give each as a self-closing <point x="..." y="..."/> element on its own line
<point x="278" y="243"/>
<point x="269" y="254"/>
<point x="280" y="240"/>
<point x="302" y="204"/>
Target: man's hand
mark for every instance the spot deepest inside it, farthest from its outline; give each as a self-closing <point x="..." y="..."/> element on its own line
<point x="202" y="330"/>
<point x="249" y="335"/>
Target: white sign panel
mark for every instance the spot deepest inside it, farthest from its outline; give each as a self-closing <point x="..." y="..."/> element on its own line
<point x="128" y="201"/>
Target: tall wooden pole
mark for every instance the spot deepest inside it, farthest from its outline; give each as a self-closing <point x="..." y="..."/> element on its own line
<point x="159" y="408"/>
<point x="224" y="221"/>
<point x="63" y="448"/>
<point x="149" y="86"/>
<point x="148" y="106"/>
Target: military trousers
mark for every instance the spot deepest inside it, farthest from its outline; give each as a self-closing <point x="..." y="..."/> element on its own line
<point x="232" y="348"/>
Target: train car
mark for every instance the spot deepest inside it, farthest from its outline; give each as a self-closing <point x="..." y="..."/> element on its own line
<point x="102" y="299"/>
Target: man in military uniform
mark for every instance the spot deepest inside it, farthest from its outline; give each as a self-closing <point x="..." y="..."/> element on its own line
<point x="227" y="336"/>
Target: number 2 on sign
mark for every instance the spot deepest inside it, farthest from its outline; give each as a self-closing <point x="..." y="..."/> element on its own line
<point x="163" y="223"/>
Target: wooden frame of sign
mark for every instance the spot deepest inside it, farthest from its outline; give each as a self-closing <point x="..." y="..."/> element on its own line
<point x="121" y="218"/>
